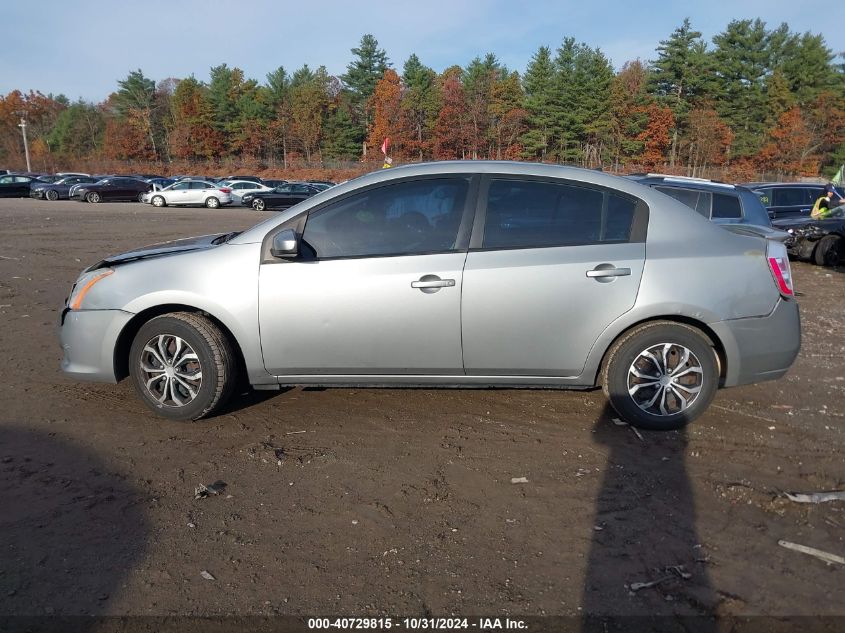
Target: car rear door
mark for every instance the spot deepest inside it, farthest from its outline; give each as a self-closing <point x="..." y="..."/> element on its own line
<point x="377" y="287"/>
<point x="551" y="264"/>
<point x="788" y="202"/>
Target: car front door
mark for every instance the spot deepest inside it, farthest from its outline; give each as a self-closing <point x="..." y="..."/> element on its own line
<point x="552" y="265"/>
<point x="376" y="289"/>
<point x="179" y="193"/>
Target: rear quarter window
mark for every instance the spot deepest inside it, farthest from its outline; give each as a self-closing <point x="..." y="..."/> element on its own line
<point x="726" y="206"/>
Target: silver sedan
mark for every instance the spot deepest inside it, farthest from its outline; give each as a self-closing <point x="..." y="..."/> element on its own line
<point x="190" y="193"/>
<point x="471" y="274"/>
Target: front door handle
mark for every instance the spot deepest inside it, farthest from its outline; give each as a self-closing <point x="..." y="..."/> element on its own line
<point x="608" y="272"/>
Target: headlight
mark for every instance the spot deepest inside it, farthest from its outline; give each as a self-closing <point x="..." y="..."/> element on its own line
<point x="84" y="284"/>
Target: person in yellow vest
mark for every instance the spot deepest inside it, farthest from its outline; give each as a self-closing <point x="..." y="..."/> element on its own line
<point x="823" y="206"/>
<point x="388" y="162"/>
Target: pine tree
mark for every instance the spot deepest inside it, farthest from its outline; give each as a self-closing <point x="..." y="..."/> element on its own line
<point x="362" y="75"/>
<point x="540" y="105"/>
<point x="420" y="104"/>
<point x="679" y="76"/>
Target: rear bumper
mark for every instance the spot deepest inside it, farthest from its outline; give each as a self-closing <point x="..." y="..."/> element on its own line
<point x="761" y="348"/>
<point x="88" y="339"/>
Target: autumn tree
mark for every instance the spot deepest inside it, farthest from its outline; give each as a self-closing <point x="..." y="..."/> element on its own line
<point x="656" y="136"/>
<point x="450" y="129"/>
<point x="308" y="103"/>
<point x="193" y="135"/>
<point x="387" y="113"/>
<point x="629" y="101"/>
<point x="133" y="104"/>
<point x="708" y="140"/>
<point x="790" y="147"/>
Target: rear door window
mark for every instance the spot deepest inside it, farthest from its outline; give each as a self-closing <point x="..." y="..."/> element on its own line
<point x="532" y="214"/>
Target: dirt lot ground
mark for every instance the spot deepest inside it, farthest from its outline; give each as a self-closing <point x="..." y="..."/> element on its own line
<point x="397" y="502"/>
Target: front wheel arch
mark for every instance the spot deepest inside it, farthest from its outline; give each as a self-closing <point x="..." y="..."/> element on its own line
<point x="127" y="335"/>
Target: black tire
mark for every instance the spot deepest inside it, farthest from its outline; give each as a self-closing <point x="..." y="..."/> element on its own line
<point x="829" y="251"/>
<point x="212" y="203"/>
<point x="141" y="196"/>
<point x="93" y="197"/>
<point x="616" y="379"/>
<point x="258" y="204"/>
<point x="215" y="357"/>
<point x="51" y="195"/>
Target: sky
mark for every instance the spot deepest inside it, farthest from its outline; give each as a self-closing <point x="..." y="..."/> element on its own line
<point x="82" y="48"/>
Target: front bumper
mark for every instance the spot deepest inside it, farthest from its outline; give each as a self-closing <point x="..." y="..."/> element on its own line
<point x="38" y="194"/>
<point x="760" y="348"/>
<point x="88" y="339"/>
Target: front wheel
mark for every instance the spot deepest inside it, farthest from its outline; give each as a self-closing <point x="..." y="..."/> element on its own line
<point x="51" y="195"/>
<point x="258" y="204"/>
<point x="661" y="375"/>
<point x="212" y="202"/>
<point x="93" y="197"/>
<point x="182" y="366"/>
<point x="158" y="201"/>
<point x="829" y="251"/>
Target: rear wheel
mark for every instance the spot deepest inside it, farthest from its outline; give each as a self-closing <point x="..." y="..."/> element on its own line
<point x="212" y="202"/>
<point x="182" y="366"/>
<point x="258" y="204"/>
<point x="158" y="201"/>
<point x="51" y="195"/>
<point x="829" y="251"/>
<point x="141" y="197"/>
<point x="93" y="196"/>
<point x="661" y="375"/>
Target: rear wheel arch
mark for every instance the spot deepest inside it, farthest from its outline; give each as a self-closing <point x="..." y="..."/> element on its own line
<point x="127" y="335"/>
<point x="702" y="328"/>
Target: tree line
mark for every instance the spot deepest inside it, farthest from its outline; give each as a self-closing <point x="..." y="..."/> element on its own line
<point x="753" y="100"/>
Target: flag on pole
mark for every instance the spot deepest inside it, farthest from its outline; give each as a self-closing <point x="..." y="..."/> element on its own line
<point x="839" y="178"/>
<point x="385" y="145"/>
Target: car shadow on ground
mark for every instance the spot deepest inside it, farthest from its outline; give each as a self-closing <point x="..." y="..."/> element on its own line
<point x="647" y="566"/>
<point x="73" y="528"/>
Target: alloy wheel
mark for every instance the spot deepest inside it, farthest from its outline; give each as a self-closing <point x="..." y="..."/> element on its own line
<point x="171" y="370"/>
<point x="665" y="379"/>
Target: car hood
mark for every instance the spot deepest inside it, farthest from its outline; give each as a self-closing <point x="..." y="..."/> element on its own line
<point x="164" y="248"/>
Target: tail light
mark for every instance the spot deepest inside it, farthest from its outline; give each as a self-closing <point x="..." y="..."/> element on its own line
<point x="779" y="266"/>
<point x="225" y="190"/>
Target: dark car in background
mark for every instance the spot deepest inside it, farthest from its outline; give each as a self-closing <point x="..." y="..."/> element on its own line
<point x="788" y="199"/>
<point x="819" y="241"/>
<point x="273" y="182"/>
<point x="59" y="189"/>
<point x="113" y="188"/>
<point x="250" y="178"/>
<point x="719" y="202"/>
<point x="16" y="185"/>
<point x="281" y="197"/>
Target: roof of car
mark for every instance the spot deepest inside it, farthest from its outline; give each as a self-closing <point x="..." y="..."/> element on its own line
<point x="702" y="184"/>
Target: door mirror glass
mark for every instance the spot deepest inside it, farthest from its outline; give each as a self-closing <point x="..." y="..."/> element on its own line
<point x="285" y="244"/>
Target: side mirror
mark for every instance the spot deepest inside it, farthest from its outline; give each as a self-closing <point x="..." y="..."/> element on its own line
<point x="285" y="244"/>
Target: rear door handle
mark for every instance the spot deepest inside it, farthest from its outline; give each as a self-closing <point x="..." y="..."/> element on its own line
<point x="433" y="283"/>
<point x="608" y="272"/>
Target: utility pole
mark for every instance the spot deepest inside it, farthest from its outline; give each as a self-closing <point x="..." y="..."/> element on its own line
<point x="22" y="126"/>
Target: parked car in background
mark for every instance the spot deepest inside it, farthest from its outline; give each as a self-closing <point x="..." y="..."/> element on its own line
<point x="789" y="199"/>
<point x="242" y="187"/>
<point x="319" y="185"/>
<point x="65" y="174"/>
<point x="190" y="193"/>
<point x="112" y="188"/>
<point x="250" y="178"/>
<point x="462" y="273"/>
<point x="719" y="202"/>
<point x="59" y="189"/>
<point x="16" y="185"/>
<point x="160" y="183"/>
<point x="819" y="241"/>
<point x="273" y="183"/>
<point x="281" y="197"/>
